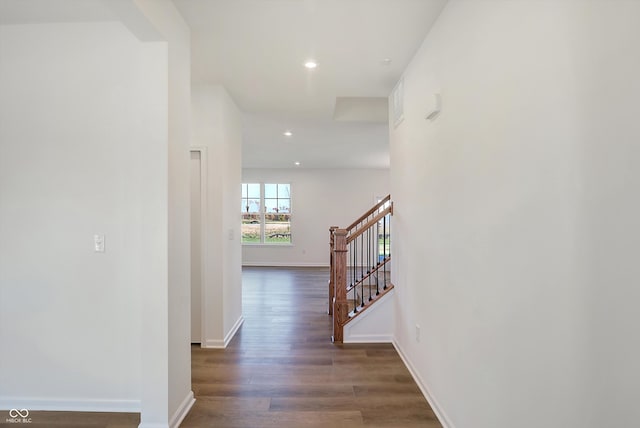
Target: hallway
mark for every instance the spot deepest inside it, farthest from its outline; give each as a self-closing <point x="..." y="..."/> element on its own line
<point x="281" y="369"/>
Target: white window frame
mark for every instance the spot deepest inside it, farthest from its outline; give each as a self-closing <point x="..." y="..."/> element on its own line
<point x="263" y="213"/>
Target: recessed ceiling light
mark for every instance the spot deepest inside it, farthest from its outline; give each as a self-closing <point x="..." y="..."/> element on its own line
<point x="297" y="163"/>
<point x="311" y="64"/>
<point x="287" y="133"/>
<point x="386" y="61"/>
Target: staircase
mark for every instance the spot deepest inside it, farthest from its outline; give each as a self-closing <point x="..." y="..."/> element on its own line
<point x="360" y="259"/>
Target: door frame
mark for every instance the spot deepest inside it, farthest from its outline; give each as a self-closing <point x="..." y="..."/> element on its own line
<point x="203" y="234"/>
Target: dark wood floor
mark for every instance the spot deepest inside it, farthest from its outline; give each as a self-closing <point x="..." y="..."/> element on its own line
<point x="281" y="369"/>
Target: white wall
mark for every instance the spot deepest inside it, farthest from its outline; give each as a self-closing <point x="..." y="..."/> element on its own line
<point x="82" y="151"/>
<point x="106" y="120"/>
<point x="515" y="217"/>
<point x="320" y="198"/>
<point x="375" y="325"/>
<point x="217" y="130"/>
<point x="175" y="33"/>
<point x="609" y="153"/>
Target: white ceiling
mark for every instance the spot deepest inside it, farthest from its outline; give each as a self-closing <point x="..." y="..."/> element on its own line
<point x="42" y="11"/>
<point x="257" y="48"/>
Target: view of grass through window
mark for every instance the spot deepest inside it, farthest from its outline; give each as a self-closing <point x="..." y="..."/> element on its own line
<point x="266" y="213"/>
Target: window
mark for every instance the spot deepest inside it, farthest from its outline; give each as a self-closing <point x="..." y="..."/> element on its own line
<point x="266" y="213"/>
<point x="251" y="217"/>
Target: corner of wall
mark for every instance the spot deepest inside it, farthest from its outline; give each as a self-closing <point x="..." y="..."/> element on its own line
<point x="435" y="406"/>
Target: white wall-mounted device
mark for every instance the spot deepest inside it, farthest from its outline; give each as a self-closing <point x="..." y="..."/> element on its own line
<point x="433" y="111"/>
<point x="98" y="241"/>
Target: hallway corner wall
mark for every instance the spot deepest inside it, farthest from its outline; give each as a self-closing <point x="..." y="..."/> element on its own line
<point x="217" y="127"/>
<point x="175" y="33"/>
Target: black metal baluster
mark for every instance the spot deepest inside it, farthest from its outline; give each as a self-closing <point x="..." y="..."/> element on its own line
<point x="351" y="253"/>
<point x="384" y="249"/>
<point x="361" y="238"/>
<point x="377" y="242"/>
<point x="369" y="261"/>
<point x="352" y="246"/>
<point x="370" y="272"/>
<point x="356" y="299"/>
<point x="377" y="255"/>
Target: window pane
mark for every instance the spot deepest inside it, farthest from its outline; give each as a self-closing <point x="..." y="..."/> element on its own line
<point x="244" y="190"/>
<point x="384" y="239"/>
<point x="271" y="205"/>
<point x="284" y="205"/>
<point x="253" y="190"/>
<point x="277" y="228"/>
<point x="251" y="228"/>
<point x="284" y="191"/>
<point x="250" y="205"/>
<point x="271" y="191"/>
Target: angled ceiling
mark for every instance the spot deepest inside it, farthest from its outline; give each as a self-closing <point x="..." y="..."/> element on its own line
<point x="257" y="48"/>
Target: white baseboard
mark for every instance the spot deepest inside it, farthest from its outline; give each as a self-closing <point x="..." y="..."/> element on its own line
<point x="223" y="343"/>
<point x="284" y="264"/>
<point x="182" y="410"/>
<point x="213" y="344"/>
<point x="435" y="406"/>
<point x="233" y="331"/>
<point x="369" y="338"/>
<point x="71" y="405"/>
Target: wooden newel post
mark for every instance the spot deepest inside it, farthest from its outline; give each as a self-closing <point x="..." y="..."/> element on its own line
<point x="332" y="283"/>
<point x="340" y="305"/>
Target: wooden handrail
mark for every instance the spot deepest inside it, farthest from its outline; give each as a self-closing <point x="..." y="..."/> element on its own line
<point x="368" y="213"/>
<point x="370" y="223"/>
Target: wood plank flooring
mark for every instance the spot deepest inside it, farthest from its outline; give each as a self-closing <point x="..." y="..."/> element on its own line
<point x="281" y="370"/>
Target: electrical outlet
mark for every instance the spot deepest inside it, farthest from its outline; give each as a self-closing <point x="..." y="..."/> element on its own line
<point x="417" y="333"/>
<point x="98" y="243"/>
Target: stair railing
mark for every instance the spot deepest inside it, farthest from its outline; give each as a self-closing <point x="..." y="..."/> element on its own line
<point x="360" y="259"/>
